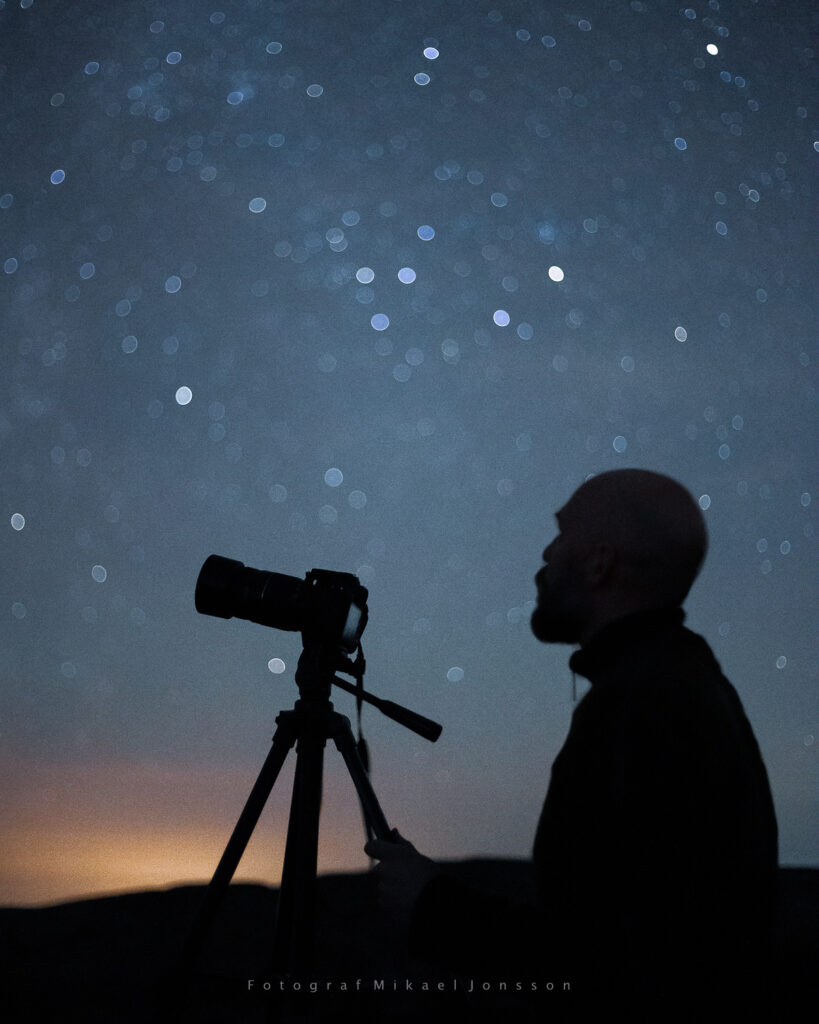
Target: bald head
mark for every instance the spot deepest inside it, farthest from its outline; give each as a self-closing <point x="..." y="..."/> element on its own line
<point x="629" y="541"/>
<point x="653" y="525"/>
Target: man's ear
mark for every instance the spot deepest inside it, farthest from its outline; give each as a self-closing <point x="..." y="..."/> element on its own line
<point x="601" y="564"/>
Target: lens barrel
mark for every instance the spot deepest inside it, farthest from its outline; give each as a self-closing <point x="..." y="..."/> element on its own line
<point x="326" y="606"/>
<point x="226" y="588"/>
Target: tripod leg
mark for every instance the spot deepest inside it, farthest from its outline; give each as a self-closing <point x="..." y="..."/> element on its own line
<point x="373" y="814"/>
<point x="283" y="740"/>
<point x="294" y="939"/>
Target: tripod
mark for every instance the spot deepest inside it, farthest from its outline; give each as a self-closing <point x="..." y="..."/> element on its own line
<point x="307" y="727"/>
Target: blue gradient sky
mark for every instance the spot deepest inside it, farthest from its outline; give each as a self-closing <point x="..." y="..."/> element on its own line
<point x="203" y="217"/>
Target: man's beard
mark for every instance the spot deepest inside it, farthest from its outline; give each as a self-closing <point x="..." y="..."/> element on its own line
<point x="553" y="625"/>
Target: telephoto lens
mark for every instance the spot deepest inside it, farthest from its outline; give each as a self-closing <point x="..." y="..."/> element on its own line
<point x="327" y="606"/>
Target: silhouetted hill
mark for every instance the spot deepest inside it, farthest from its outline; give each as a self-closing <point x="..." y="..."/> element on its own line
<point x="104" y="960"/>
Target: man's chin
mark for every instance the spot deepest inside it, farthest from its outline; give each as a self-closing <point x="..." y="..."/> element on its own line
<point x="550" y="630"/>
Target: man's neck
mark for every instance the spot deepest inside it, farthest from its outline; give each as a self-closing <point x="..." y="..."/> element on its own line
<point x="608" y="615"/>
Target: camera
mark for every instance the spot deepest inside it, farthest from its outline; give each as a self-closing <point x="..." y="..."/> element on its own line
<point x="326" y="607"/>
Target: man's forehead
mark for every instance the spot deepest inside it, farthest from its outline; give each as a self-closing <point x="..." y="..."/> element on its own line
<point x="564" y="515"/>
<point x="578" y="507"/>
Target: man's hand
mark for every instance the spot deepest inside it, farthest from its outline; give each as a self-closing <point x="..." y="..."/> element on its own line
<point x="401" y="875"/>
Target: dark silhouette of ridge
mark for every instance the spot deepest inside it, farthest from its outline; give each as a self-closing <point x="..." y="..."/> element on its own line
<point x="104" y="959"/>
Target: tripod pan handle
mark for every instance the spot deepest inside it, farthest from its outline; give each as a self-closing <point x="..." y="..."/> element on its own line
<point x="411" y="720"/>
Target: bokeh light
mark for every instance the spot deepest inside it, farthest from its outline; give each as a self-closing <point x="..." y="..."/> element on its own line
<point x="424" y="273"/>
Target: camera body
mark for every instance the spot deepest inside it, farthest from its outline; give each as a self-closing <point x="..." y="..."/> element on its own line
<point x="326" y="607"/>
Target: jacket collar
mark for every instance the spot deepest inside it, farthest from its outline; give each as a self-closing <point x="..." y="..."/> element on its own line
<point x="594" y="661"/>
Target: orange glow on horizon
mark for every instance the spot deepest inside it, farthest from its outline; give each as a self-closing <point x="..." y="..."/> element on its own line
<point x="59" y="865"/>
<point x="73" y="832"/>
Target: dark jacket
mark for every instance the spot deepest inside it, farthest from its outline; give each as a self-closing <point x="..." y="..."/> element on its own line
<point x="656" y="851"/>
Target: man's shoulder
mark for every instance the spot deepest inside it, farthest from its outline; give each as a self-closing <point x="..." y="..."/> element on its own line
<point x="680" y="692"/>
<point x="661" y="653"/>
<point x="650" y="668"/>
<point x="678" y="666"/>
<point x="677" y="657"/>
<point x="670" y="673"/>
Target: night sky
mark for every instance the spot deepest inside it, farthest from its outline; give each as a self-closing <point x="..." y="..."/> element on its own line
<point x="373" y="287"/>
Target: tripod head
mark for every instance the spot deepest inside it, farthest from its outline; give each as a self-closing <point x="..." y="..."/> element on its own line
<point x="328" y="608"/>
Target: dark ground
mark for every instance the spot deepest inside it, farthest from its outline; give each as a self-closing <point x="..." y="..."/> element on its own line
<point x="104" y="960"/>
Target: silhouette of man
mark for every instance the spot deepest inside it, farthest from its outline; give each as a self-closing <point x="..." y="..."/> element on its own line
<point x="656" y="850"/>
